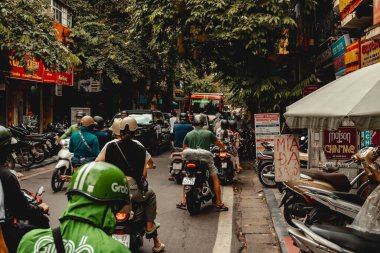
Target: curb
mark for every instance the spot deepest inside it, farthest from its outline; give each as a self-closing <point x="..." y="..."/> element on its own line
<point x="46" y="162"/>
<point x="276" y="214"/>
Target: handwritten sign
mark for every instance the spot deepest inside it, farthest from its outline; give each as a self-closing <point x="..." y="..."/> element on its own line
<point x="286" y="158"/>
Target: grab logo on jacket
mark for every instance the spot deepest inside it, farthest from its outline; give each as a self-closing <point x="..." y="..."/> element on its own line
<point x="46" y="244"/>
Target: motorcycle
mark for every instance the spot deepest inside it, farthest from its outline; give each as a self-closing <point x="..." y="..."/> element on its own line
<point x="197" y="183"/>
<point x="64" y="168"/>
<point x="224" y="164"/>
<point x="265" y="165"/>
<point x="325" y="197"/>
<point x="21" y="153"/>
<point x="176" y="166"/>
<point x="247" y="148"/>
<point x="361" y="237"/>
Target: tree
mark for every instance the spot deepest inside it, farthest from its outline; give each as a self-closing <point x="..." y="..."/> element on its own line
<point x="26" y="31"/>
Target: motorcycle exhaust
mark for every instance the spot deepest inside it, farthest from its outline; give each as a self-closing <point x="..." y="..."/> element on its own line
<point x="270" y="176"/>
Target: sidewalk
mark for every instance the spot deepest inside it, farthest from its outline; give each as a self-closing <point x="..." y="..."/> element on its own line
<point x="256" y="231"/>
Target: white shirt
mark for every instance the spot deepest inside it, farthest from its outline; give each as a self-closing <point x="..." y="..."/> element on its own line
<point x="172" y="120"/>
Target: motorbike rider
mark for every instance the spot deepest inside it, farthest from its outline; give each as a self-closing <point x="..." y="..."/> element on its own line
<point x="13" y="204"/>
<point x="130" y="156"/>
<point x="73" y="128"/>
<point x="235" y="144"/>
<point x="97" y="192"/>
<point x="180" y="130"/>
<point x="202" y="138"/>
<point x="84" y="144"/>
<point x="101" y="132"/>
<point x="224" y="133"/>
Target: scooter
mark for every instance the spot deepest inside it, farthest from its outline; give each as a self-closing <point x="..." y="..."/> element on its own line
<point x="361" y="237"/>
<point x="224" y="164"/>
<point x="64" y="168"/>
<point x="176" y="166"/>
<point x="265" y="165"/>
<point x="325" y="197"/>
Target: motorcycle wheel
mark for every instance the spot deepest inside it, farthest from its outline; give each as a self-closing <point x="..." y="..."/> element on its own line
<point x="192" y="203"/>
<point x="288" y="216"/>
<point x="25" y="157"/>
<point x="56" y="181"/>
<point x="10" y="162"/>
<point x="365" y="189"/>
<point x="39" y="155"/>
<point x="266" y="181"/>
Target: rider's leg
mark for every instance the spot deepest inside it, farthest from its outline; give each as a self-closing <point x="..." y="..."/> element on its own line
<point x="217" y="190"/>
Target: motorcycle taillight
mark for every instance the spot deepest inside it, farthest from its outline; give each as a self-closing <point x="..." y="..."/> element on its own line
<point x="120" y="216"/>
<point x="191" y="165"/>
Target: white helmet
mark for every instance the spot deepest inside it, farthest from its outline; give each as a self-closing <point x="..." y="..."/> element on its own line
<point x="130" y="122"/>
<point x="115" y="128"/>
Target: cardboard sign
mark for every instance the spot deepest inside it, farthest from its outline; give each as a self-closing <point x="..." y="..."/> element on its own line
<point x="286" y="158"/>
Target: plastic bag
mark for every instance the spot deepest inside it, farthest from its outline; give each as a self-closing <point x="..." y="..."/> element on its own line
<point x="199" y="155"/>
<point x="368" y="218"/>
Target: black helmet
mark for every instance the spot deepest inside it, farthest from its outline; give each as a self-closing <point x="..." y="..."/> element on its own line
<point x="99" y="122"/>
<point x="79" y="114"/>
<point x="5" y="139"/>
<point x="199" y="120"/>
<point x="232" y="124"/>
<point x="224" y="124"/>
<point x="184" y="117"/>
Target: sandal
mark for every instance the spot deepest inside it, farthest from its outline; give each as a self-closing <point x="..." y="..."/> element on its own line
<point x="153" y="232"/>
<point x="221" y="208"/>
<point x="159" y="249"/>
<point x="181" y="206"/>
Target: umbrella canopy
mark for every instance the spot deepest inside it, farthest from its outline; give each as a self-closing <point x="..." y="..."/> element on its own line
<point x="355" y="97"/>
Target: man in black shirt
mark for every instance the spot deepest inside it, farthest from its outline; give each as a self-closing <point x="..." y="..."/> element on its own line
<point x="130" y="157"/>
<point x="15" y="205"/>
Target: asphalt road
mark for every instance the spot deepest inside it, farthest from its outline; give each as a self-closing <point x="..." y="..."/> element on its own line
<point x="179" y="231"/>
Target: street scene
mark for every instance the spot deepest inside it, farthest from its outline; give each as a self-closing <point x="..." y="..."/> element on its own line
<point x="189" y="126"/>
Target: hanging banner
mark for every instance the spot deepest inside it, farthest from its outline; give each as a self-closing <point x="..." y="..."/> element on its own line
<point x="370" y="52"/>
<point x="286" y="158"/>
<point x="340" y="144"/>
<point x="267" y="125"/>
<point x="376" y="12"/>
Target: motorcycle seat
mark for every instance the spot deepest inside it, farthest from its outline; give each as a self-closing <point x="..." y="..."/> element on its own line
<point x="338" y="180"/>
<point x="268" y="153"/>
<point x="352" y="198"/>
<point x="349" y="238"/>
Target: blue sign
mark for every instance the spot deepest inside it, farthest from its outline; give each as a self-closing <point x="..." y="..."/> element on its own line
<point x="339" y="47"/>
<point x="365" y="139"/>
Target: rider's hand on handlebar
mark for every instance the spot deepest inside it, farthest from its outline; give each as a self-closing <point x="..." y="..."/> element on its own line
<point x="44" y="207"/>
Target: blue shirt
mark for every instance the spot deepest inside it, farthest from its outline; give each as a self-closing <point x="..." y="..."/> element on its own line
<point x="103" y="138"/>
<point x="180" y="130"/>
<point x="79" y="148"/>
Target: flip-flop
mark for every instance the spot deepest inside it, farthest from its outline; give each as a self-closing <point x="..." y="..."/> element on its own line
<point x="221" y="208"/>
<point x="181" y="206"/>
<point x="159" y="249"/>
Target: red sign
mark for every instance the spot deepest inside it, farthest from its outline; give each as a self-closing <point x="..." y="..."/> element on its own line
<point x="350" y="7"/>
<point x="309" y="89"/>
<point x="38" y="73"/>
<point x="340" y="144"/>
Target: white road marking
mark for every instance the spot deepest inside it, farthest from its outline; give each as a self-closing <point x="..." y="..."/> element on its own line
<point x="37" y="174"/>
<point x="224" y="235"/>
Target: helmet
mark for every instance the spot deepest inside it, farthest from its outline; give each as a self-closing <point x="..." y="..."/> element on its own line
<point x="199" y="120"/>
<point x="99" y="122"/>
<point x="101" y="182"/>
<point x="5" y="136"/>
<point x="130" y="122"/>
<point x="232" y="124"/>
<point x="224" y="124"/>
<point x="87" y="121"/>
<point x="184" y="117"/>
<point x="115" y="128"/>
<point x="79" y="114"/>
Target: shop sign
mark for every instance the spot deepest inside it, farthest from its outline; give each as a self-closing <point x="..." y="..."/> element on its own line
<point x="376" y="12"/>
<point x="351" y="58"/>
<point x="309" y="89"/>
<point x="365" y="139"/>
<point x="267" y="126"/>
<point x="340" y="144"/>
<point x="286" y="158"/>
<point x="338" y="49"/>
<point x="348" y="6"/>
<point x="325" y="56"/>
<point x="370" y="52"/>
<point x="62" y="78"/>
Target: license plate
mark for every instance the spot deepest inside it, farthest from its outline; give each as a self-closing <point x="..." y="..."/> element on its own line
<point x="177" y="166"/>
<point x="224" y="165"/>
<point x="124" y="239"/>
<point x="188" y="181"/>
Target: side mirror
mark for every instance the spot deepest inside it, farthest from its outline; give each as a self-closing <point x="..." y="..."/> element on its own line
<point x="40" y="191"/>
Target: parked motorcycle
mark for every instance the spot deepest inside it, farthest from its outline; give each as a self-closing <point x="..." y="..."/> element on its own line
<point x="64" y="168"/>
<point x="223" y="163"/>
<point x="265" y="165"/>
<point x="247" y="149"/>
<point x="325" y="197"/>
<point x="361" y="237"/>
<point x="21" y="153"/>
<point x="176" y="166"/>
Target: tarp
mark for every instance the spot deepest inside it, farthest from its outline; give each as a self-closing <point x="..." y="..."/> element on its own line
<point x="355" y="97"/>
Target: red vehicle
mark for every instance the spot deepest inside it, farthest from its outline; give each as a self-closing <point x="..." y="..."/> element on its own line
<point x="207" y="103"/>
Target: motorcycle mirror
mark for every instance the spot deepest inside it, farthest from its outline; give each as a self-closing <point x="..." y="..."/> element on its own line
<point x="40" y="191"/>
<point x="303" y="138"/>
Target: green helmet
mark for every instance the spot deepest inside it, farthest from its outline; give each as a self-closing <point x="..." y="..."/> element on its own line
<point x="5" y="136"/>
<point x="101" y="182"/>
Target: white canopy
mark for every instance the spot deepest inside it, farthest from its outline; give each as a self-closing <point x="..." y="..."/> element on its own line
<point x="355" y="96"/>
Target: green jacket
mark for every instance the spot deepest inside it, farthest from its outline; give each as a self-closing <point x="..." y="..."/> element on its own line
<point x="78" y="236"/>
<point x="72" y="129"/>
<point x="79" y="148"/>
